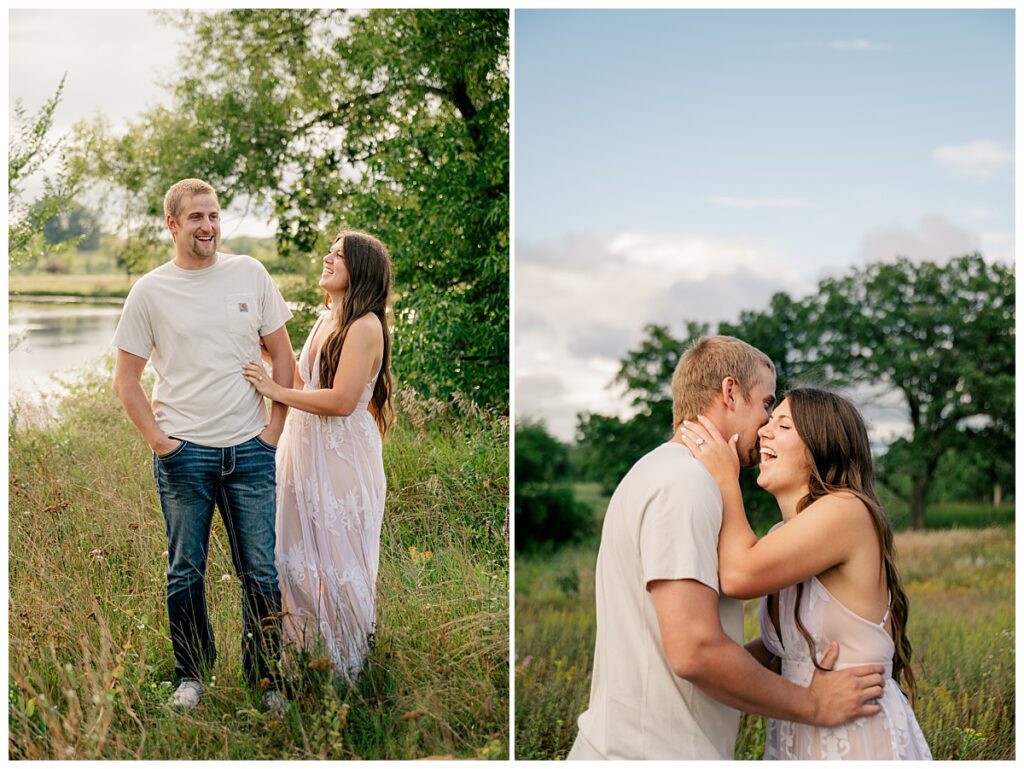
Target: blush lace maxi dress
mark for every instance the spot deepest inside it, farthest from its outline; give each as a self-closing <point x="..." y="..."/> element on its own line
<point x="330" y="502"/>
<point x="891" y="734"/>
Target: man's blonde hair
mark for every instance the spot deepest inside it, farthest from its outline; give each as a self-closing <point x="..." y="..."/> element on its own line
<point x="180" y="190"/>
<point x="699" y="374"/>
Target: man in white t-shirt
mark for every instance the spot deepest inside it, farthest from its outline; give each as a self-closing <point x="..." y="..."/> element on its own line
<point x="200" y="318"/>
<point x="670" y="673"/>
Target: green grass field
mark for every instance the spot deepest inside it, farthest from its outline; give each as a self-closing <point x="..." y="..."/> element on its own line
<point x="89" y="651"/>
<point x="961" y="588"/>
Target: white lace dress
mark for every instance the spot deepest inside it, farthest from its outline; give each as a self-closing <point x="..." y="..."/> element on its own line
<point x="330" y="502"/>
<point x="892" y="733"/>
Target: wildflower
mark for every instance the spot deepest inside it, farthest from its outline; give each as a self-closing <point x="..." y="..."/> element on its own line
<point x="527" y="660"/>
<point x="225" y="577"/>
<point x="97" y="554"/>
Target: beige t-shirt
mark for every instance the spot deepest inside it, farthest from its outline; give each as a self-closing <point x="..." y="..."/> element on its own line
<point x="662" y="523"/>
<point x="201" y="326"/>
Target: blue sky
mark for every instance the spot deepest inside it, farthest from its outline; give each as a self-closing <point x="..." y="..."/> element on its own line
<point x="686" y="164"/>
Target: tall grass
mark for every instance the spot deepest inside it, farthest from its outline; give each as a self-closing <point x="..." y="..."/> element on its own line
<point x="90" y="655"/>
<point x="961" y="589"/>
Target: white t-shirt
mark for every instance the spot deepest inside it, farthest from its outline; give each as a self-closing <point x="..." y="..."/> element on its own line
<point x="201" y="327"/>
<point x="662" y="523"/>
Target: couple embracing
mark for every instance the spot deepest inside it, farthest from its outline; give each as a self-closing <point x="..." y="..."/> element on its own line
<point x="670" y="674"/>
<point x="301" y="496"/>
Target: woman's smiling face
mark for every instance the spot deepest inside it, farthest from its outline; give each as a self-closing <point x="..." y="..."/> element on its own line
<point x="785" y="460"/>
<point x="334" y="278"/>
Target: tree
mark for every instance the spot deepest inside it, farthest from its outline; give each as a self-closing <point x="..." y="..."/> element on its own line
<point x="76" y="224"/>
<point x="394" y="121"/>
<point x="941" y="335"/>
<point x="29" y="149"/>
<point x="610" y="445"/>
<point x="545" y="507"/>
<point x="781" y="333"/>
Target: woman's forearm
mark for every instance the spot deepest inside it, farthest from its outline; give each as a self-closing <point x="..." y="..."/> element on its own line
<point x="326" y="403"/>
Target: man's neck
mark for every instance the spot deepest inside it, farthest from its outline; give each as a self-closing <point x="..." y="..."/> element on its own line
<point x="716" y="420"/>
<point x="188" y="261"/>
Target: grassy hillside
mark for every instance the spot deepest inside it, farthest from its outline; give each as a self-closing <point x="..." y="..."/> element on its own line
<point x="90" y="656"/>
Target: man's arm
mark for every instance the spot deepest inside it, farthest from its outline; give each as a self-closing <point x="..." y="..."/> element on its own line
<point x="297" y="383"/>
<point x="128" y="385"/>
<point x="282" y="361"/>
<point x="699" y="651"/>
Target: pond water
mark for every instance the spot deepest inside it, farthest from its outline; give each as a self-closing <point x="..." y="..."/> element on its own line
<point x="52" y="341"/>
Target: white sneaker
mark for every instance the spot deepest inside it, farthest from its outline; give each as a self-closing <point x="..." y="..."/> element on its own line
<point x="274" y="702"/>
<point x="189" y="692"/>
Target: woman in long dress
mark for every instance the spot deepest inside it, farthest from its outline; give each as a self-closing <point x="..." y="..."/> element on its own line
<point x="827" y="571"/>
<point x="330" y="471"/>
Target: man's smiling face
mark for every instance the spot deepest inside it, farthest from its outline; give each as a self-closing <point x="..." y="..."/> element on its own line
<point x="196" y="230"/>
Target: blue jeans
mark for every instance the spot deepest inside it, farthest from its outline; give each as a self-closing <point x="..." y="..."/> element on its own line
<point x="241" y="482"/>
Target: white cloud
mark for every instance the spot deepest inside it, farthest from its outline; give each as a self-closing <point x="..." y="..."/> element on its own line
<point x="980" y="213"/>
<point x="997" y="246"/>
<point x="771" y="202"/>
<point x="979" y="159"/>
<point x="857" y="44"/>
<point x="693" y="258"/>
<point x="935" y="239"/>
<point x="581" y="304"/>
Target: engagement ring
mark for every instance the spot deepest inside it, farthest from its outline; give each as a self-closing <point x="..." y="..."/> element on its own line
<point x="699" y="441"/>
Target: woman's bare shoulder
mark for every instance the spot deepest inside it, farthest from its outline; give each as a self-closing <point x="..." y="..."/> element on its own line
<point x="369" y="322"/>
<point x="843" y="504"/>
<point x="367" y="331"/>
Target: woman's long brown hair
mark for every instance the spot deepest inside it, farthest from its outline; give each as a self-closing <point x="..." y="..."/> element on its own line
<point x="837" y="440"/>
<point x="369" y="290"/>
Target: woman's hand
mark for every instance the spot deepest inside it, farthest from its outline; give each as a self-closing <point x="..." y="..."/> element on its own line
<point x="256" y="375"/>
<point x="712" y="450"/>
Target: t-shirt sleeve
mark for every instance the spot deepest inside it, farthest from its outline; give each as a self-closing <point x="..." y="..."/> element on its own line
<point x="274" y="311"/>
<point x="134" y="331"/>
<point x="679" y="532"/>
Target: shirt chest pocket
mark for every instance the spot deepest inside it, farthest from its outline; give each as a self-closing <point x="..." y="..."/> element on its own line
<point x="242" y="315"/>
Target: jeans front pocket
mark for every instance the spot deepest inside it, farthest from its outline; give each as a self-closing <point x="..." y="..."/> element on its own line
<point x="272" y="449"/>
<point x="173" y="452"/>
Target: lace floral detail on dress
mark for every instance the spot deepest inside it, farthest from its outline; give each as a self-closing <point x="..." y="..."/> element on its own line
<point x="892" y="733"/>
<point x="331" y="491"/>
